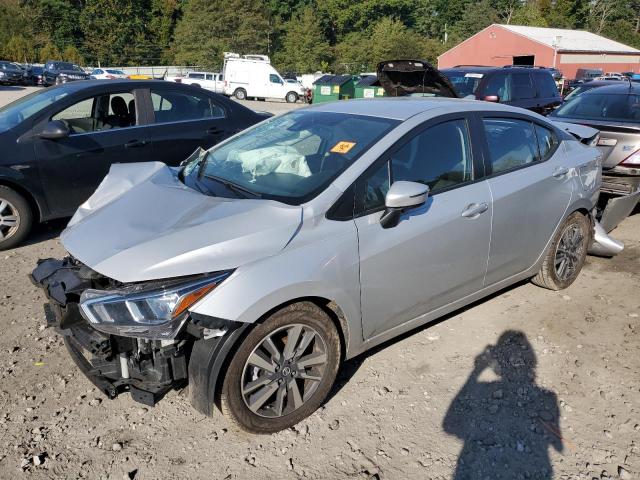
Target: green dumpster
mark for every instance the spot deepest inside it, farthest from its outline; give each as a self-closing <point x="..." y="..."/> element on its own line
<point x="369" y="87"/>
<point x="329" y="88"/>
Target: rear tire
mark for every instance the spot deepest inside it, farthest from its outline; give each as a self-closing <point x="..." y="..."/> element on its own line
<point x="566" y="255"/>
<point x="16" y="218"/>
<point x="291" y="97"/>
<point x="294" y="381"/>
<point x="240" y="94"/>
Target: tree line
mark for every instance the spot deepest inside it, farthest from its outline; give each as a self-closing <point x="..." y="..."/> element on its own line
<point x="299" y="35"/>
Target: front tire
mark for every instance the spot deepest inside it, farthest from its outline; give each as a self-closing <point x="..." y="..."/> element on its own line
<point x="282" y="371"/>
<point x="16" y="218"/>
<point x="292" y="97"/>
<point x="566" y="255"/>
<point x="240" y="94"/>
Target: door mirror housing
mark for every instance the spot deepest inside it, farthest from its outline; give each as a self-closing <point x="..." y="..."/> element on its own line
<point x="402" y="196"/>
<point x="492" y="98"/>
<point x="55" y="130"/>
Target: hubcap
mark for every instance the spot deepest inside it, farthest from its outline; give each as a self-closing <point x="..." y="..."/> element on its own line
<point x="569" y="252"/>
<point x="9" y="219"/>
<point x="283" y="371"/>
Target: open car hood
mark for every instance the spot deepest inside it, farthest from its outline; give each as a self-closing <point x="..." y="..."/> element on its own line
<point x="142" y="224"/>
<point x="401" y="78"/>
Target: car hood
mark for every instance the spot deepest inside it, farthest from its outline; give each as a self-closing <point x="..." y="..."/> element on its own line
<point x="142" y="224"/>
<point x="401" y="78"/>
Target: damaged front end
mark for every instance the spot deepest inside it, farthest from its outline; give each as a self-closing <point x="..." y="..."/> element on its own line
<point x="136" y="337"/>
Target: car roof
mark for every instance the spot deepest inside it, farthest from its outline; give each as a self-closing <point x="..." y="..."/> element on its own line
<point x="612" y="87"/>
<point x="403" y="108"/>
<point x="120" y="82"/>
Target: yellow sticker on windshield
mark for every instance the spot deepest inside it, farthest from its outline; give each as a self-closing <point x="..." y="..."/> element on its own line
<point x="343" y="147"/>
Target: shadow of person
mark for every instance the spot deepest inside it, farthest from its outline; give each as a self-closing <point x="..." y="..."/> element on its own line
<point x="507" y="423"/>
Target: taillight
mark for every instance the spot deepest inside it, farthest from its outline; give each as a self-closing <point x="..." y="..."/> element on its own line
<point x="632" y="160"/>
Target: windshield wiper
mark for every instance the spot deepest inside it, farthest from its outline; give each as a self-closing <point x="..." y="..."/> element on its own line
<point x="234" y="187"/>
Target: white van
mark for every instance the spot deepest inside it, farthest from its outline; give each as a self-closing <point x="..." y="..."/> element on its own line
<point x="253" y="76"/>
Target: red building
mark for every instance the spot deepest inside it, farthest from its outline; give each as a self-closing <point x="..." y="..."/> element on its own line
<point x="567" y="50"/>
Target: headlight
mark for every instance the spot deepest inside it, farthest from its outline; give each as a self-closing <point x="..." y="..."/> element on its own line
<point x="145" y="312"/>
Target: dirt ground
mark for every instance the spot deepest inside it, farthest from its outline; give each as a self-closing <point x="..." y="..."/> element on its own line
<point x="527" y="384"/>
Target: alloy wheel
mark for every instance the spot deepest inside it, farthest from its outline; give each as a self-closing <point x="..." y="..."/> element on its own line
<point x="284" y="371"/>
<point x="9" y="219"/>
<point x="569" y="252"/>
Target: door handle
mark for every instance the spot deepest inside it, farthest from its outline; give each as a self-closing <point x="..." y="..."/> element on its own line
<point x="135" y="144"/>
<point x="560" y="172"/>
<point x="214" y="131"/>
<point x="474" y="210"/>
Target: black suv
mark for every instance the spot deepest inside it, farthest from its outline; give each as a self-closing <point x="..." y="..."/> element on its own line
<point x="56" y="73"/>
<point x="530" y="88"/>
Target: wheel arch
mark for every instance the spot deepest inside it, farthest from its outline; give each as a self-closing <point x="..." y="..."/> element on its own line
<point x="210" y="358"/>
<point x="29" y="197"/>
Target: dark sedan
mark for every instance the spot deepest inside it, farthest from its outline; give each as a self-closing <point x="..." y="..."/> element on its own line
<point x="10" y="73"/>
<point x="55" y="73"/>
<point x="59" y="143"/>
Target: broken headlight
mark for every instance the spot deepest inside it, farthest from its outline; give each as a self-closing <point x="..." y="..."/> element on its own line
<point x="145" y="311"/>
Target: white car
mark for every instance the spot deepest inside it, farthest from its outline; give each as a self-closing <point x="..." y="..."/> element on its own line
<point x="253" y="76"/>
<point x="107" y="74"/>
<point x="208" y="80"/>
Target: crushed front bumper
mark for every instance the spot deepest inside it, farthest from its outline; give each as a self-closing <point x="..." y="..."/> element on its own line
<point x="146" y="368"/>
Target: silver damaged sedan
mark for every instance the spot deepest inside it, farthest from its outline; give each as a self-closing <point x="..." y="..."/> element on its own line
<point x="255" y="269"/>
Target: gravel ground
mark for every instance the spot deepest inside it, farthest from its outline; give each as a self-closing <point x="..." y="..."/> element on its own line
<point x="527" y="384"/>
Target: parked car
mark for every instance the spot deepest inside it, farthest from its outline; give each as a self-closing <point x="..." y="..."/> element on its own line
<point x="253" y="76"/>
<point x="530" y="88"/>
<point x="208" y="80"/>
<point x="10" y="73"/>
<point x="35" y="74"/>
<point x="588" y="74"/>
<point x="615" y="111"/>
<point x="583" y="87"/>
<point x="56" y="73"/>
<point x="262" y="264"/>
<point x="63" y="141"/>
<point x="107" y="74"/>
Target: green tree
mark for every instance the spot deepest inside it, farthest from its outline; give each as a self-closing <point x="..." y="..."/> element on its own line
<point x="209" y="28"/>
<point x="476" y="17"/>
<point x="304" y="46"/>
<point x="529" y="14"/>
<point x="71" y="54"/>
<point x="49" y="52"/>
<point x="19" y="49"/>
<point x="163" y="17"/>
<point x="114" y="31"/>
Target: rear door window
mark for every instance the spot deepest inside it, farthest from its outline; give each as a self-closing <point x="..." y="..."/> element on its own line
<point x="178" y="106"/>
<point x="522" y="86"/>
<point x="512" y="143"/>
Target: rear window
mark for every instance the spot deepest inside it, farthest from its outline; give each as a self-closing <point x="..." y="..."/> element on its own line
<point x="602" y="106"/>
<point x="465" y="83"/>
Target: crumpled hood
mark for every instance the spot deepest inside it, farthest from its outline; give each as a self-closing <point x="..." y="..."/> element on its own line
<point x="142" y="223"/>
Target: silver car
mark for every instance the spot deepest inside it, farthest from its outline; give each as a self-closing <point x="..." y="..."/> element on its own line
<point x="254" y="270"/>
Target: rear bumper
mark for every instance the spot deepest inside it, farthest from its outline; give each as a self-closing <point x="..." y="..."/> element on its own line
<point x="617" y="182"/>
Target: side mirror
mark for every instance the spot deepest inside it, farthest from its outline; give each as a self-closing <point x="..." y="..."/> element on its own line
<point x="55" y="130"/>
<point x="492" y="98"/>
<point x="402" y="196"/>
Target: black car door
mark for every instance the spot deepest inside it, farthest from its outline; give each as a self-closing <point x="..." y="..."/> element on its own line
<point x="104" y="129"/>
<point x="548" y="95"/>
<point x="523" y="91"/>
<point x="184" y="119"/>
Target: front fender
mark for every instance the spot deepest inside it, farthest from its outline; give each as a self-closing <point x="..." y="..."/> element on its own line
<point x="325" y="266"/>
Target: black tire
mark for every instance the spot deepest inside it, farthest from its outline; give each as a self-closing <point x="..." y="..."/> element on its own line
<point x="12" y="204"/>
<point x="567" y="253"/>
<point x="291" y="97"/>
<point x="325" y="343"/>
<point x="240" y="94"/>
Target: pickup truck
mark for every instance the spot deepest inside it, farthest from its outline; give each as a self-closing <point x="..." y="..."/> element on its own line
<point x="207" y="80"/>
